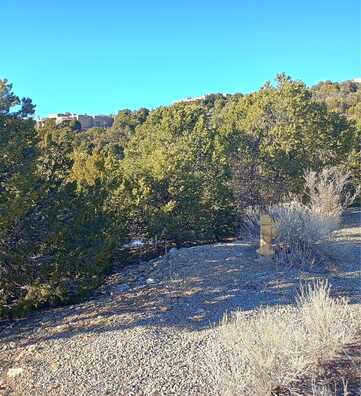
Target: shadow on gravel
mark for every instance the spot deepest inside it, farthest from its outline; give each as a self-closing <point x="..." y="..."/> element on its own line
<point x="342" y="375"/>
<point x="231" y="278"/>
<point x="352" y="217"/>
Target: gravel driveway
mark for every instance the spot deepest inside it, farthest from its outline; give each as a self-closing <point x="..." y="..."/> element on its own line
<point x="143" y="332"/>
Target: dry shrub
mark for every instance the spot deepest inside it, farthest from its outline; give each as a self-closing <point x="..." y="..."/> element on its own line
<point x="269" y="351"/>
<point x="300" y="224"/>
<point x="300" y="231"/>
<point x="327" y="320"/>
<point x="303" y="222"/>
<point x="296" y="223"/>
<point x="311" y="216"/>
<point x="327" y="389"/>
<point x="250" y="225"/>
<point x="328" y="191"/>
<point x="301" y="256"/>
<point x="254" y="356"/>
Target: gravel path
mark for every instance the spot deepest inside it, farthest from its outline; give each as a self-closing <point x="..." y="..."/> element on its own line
<point x="143" y="332"/>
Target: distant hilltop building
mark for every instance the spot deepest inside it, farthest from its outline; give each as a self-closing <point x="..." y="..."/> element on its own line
<point x="86" y="121"/>
<point x="190" y="99"/>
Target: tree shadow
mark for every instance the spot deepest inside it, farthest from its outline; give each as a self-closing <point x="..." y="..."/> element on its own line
<point x="341" y="375"/>
<point x="226" y="278"/>
<point x="193" y="303"/>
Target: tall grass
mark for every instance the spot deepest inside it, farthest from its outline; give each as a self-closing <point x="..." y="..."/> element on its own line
<point x="299" y="223"/>
<point x="271" y="350"/>
<point x="326" y="320"/>
<point x="304" y="221"/>
<point x="328" y="191"/>
<point x="296" y="222"/>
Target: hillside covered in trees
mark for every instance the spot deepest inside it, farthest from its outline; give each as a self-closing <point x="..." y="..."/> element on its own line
<point x="71" y="199"/>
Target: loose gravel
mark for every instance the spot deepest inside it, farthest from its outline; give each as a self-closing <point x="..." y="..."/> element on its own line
<point x="145" y="331"/>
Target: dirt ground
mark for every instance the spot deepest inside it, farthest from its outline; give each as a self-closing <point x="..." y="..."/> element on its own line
<point x="182" y="293"/>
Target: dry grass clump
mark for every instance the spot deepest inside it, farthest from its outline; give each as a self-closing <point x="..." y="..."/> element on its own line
<point x="300" y="230"/>
<point x="296" y="222"/>
<point x="250" y="226"/>
<point x="301" y="224"/>
<point x="328" y="390"/>
<point x="306" y="220"/>
<point x="327" y="320"/>
<point x="328" y="191"/>
<point x="267" y="352"/>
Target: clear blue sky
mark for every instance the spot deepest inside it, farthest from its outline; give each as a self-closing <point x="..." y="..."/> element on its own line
<point x="98" y="56"/>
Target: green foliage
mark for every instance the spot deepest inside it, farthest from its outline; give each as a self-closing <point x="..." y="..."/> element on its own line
<point x="278" y="132"/>
<point x="173" y="184"/>
<point x="70" y="198"/>
<point x="125" y="123"/>
<point x="57" y="232"/>
<point x="79" y="231"/>
<point x="17" y="155"/>
<point x="17" y="185"/>
<point x="345" y="98"/>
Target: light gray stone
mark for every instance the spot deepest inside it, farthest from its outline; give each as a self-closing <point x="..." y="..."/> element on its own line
<point x="14" y="372"/>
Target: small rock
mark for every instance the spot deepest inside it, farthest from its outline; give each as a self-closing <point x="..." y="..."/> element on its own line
<point x="151" y="281"/>
<point x="31" y="348"/>
<point x="63" y="327"/>
<point x="55" y="365"/>
<point x="165" y="308"/>
<point x="15" y="371"/>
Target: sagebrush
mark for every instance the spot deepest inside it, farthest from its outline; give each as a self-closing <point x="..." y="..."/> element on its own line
<point x="272" y="349"/>
<point x="306" y="220"/>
